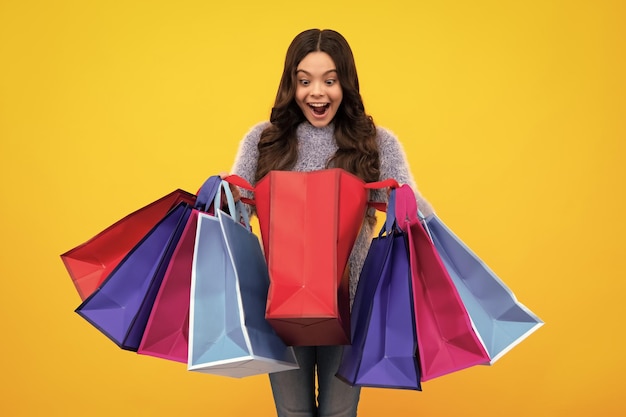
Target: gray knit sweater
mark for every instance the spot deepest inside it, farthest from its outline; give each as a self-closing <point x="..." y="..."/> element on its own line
<point x="315" y="147"/>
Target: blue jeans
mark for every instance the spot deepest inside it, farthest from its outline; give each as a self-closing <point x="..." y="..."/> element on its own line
<point x="294" y="391"/>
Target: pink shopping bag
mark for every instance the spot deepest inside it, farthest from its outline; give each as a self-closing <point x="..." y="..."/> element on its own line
<point x="447" y="341"/>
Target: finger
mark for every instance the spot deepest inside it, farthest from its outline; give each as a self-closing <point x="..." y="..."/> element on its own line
<point x="235" y="191"/>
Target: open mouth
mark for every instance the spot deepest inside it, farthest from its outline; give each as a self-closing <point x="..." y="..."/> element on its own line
<point x="318" y="108"/>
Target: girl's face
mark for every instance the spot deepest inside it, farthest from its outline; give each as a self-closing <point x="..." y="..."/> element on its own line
<point x="318" y="92"/>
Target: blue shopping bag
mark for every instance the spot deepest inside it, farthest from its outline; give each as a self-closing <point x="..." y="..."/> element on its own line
<point x="228" y="333"/>
<point x="383" y="352"/>
<point x="500" y="320"/>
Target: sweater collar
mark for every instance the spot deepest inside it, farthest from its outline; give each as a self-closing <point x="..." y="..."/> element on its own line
<point x="306" y="129"/>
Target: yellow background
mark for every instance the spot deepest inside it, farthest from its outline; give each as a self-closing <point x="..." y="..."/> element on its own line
<point x="512" y="115"/>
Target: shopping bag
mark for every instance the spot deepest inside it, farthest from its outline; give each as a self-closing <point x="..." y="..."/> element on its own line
<point x="383" y="352"/>
<point x="90" y="263"/>
<point x="167" y="331"/>
<point x="501" y="321"/>
<point x="120" y="307"/>
<point x="228" y="333"/>
<point x="309" y="222"/>
<point x="447" y="341"/>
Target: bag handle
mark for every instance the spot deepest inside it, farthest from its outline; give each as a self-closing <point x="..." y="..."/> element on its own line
<point x="391" y="212"/>
<point x="406" y="207"/>
<point x="236" y="209"/>
<point x="407" y="210"/>
<point x="241" y="183"/>
<point x="206" y="193"/>
<point x="386" y="183"/>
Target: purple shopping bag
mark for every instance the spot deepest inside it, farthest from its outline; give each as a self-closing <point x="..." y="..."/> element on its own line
<point x="383" y="352"/>
<point x="120" y="308"/>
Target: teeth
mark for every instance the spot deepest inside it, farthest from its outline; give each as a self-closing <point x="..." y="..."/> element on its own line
<point x="317" y="104"/>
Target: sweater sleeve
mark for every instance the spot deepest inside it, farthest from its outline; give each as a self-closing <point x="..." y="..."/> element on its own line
<point x="394" y="164"/>
<point x="245" y="163"/>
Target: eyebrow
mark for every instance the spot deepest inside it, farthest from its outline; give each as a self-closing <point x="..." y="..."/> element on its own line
<point x="308" y="73"/>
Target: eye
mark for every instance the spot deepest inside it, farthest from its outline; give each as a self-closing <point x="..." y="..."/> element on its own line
<point x="304" y="82"/>
<point x="331" y="82"/>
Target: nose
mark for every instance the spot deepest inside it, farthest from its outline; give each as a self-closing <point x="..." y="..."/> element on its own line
<point x="317" y="89"/>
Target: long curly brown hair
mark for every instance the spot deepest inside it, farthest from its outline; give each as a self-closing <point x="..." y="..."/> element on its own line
<point x="355" y="132"/>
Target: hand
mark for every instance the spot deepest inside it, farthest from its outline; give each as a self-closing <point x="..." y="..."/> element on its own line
<point x="233" y="189"/>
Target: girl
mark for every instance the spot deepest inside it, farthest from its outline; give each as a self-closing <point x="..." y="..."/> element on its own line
<point x="318" y="121"/>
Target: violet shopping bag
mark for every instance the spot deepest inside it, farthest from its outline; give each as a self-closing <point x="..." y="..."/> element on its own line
<point x="90" y="263"/>
<point x="383" y="352"/>
<point x="447" y="340"/>
<point x="228" y="333"/>
<point x="499" y="318"/>
<point x="121" y="306"/>
<point x="167" y="331"/>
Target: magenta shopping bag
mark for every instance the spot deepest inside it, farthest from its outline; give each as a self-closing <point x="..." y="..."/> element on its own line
<point x="446" y="338"/>
<point x="166" y="334"/>
<point x="167" y="330"/>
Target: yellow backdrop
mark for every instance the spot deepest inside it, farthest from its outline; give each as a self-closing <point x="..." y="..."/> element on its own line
<point x="512" y="115"/>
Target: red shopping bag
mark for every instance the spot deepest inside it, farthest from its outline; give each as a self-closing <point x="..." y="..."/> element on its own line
<point x="447" y="341"/>
<point x="90" y="263"/>
<point x="309" y="222"/>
